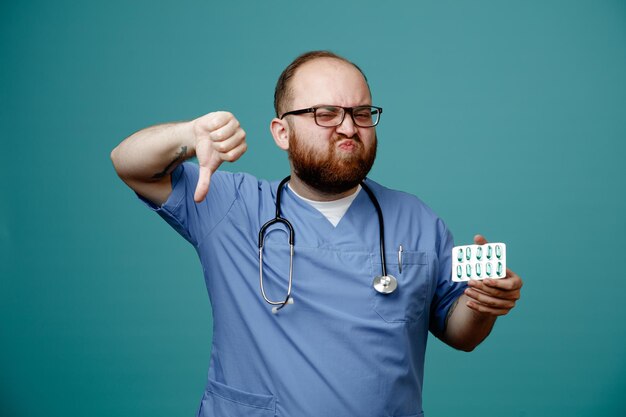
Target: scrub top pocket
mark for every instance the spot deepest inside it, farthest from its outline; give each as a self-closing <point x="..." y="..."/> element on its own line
<point x="222" y="400"/>
<point x="408" y="302"/>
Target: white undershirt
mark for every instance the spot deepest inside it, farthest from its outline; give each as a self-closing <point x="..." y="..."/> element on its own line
<point x="332" y="210"/>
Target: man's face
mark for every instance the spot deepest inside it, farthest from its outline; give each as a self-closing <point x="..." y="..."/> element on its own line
<point x="329" y="159"/>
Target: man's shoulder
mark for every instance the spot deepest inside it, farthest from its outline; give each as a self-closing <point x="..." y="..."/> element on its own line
<point x="398" y="196"/>
<point x="401" y="201"/>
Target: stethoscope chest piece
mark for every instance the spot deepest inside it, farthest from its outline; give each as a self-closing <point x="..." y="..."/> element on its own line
<point x="385" y="284"/>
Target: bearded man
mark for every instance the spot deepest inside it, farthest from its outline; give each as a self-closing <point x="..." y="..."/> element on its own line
<point x="323" y="286"/>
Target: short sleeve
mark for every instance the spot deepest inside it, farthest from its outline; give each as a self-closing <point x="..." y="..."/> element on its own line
<point x="192" y="220"/>
<point x="446" y="291"/>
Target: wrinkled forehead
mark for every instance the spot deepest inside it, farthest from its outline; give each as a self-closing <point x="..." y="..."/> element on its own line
<point x="328" y="81"/>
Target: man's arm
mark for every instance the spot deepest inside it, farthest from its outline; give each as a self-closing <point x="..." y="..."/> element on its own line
<point x="146" y="159"/>
<point x="472" y="316"/>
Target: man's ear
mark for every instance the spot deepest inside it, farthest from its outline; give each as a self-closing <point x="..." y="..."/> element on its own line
<point x="280" y="133"/>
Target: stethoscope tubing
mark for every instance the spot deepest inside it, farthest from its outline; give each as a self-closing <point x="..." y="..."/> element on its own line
<point x="381" y="226"/>
<point x="279" y="219"/>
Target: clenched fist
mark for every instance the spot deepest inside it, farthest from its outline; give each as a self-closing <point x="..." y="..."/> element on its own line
<point x="219" y="137"/>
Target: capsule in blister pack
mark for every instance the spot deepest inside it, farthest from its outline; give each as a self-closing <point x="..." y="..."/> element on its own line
<point x="479" y="261"/>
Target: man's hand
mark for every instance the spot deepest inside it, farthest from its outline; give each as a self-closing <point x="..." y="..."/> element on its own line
<point x="471" y="317"/>
<point x="219" y="137"/>
<point x="493" y="296"/>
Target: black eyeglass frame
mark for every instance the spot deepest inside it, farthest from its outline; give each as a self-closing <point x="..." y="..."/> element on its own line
<point x="345" y="110"/>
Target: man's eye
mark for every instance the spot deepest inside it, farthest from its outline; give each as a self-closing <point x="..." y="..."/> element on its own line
<point x="327" y="114"/>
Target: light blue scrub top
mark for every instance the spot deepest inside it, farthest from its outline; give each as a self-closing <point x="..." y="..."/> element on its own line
<point x="341" y="349"/>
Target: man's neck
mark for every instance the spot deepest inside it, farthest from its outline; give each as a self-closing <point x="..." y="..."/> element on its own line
<point x="306" y="191"/>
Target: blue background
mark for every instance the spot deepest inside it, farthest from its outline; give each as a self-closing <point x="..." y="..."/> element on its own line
<point x="507" y="117"/>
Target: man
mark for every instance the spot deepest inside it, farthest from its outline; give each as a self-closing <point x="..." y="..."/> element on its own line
<point x="338" y="347"/>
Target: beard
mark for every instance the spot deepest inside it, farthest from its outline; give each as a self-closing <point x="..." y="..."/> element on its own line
<point x="328" y="170"/>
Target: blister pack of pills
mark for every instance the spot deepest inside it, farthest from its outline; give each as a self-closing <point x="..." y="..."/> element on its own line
<point x="478" y="262"/>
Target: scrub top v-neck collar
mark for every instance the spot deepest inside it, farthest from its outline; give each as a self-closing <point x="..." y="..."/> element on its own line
<point x="332" y="210"/>
<point x="326" y="231"/>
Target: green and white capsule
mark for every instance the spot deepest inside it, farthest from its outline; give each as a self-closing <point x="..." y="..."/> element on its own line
<point x="498" y="252"/>
<point x="488" y="269"/>
<point x="468" y="253"/>
<point x="459" y="255"/>
<point x="489" y="252"/>
<point x="459" y="271"/>
<point x="478" y="270"/>
<point x="499" y="271"/>
<point x="479" y="252"/>
<point x="468" y="270"/>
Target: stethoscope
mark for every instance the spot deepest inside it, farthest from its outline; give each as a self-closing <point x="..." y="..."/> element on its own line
<point x="384" y="284"/>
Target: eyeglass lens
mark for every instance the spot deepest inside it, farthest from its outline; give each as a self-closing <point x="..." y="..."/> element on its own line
<point x="362" y="116"/>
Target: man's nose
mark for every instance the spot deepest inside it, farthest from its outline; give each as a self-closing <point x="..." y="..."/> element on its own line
<point x="347" y="127"/>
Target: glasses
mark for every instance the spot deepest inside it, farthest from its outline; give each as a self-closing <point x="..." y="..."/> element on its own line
<point x="331" y="116"/>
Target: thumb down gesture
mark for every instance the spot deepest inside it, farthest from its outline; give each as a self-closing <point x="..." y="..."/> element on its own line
<point x="219" y="137"/>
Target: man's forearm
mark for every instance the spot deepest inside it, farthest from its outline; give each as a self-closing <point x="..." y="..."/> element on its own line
<point x="145" y="160"/>
<point x="466" y="328"/>
<point x="152" y="153"/>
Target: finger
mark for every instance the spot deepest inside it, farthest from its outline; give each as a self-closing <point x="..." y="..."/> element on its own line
<point x="206" y="170"/>
<point x="231" y="142"/>
<point x="218" y="119"/>
<point x="202" y="188"/>
<point x="510" y="283"/>
<point x="490" y="301"/>
<point x="211" y="122"/>
<point x="486" y="309"/>
<point x="225" y="131"/>
<point x="511" y="274"/>
<point x="208" y="164"/>
<point x="479" y="240"/>
<point x="234" y="154"/>
<point x="496" y="288"/>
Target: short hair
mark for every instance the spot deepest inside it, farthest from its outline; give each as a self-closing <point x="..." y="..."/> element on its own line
<point x="283" y="91"/>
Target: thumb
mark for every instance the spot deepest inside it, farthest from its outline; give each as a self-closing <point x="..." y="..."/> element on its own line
<point x="207" y="168"/>
<point x="202" y="188"/>
<point x="479" y="240"/>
